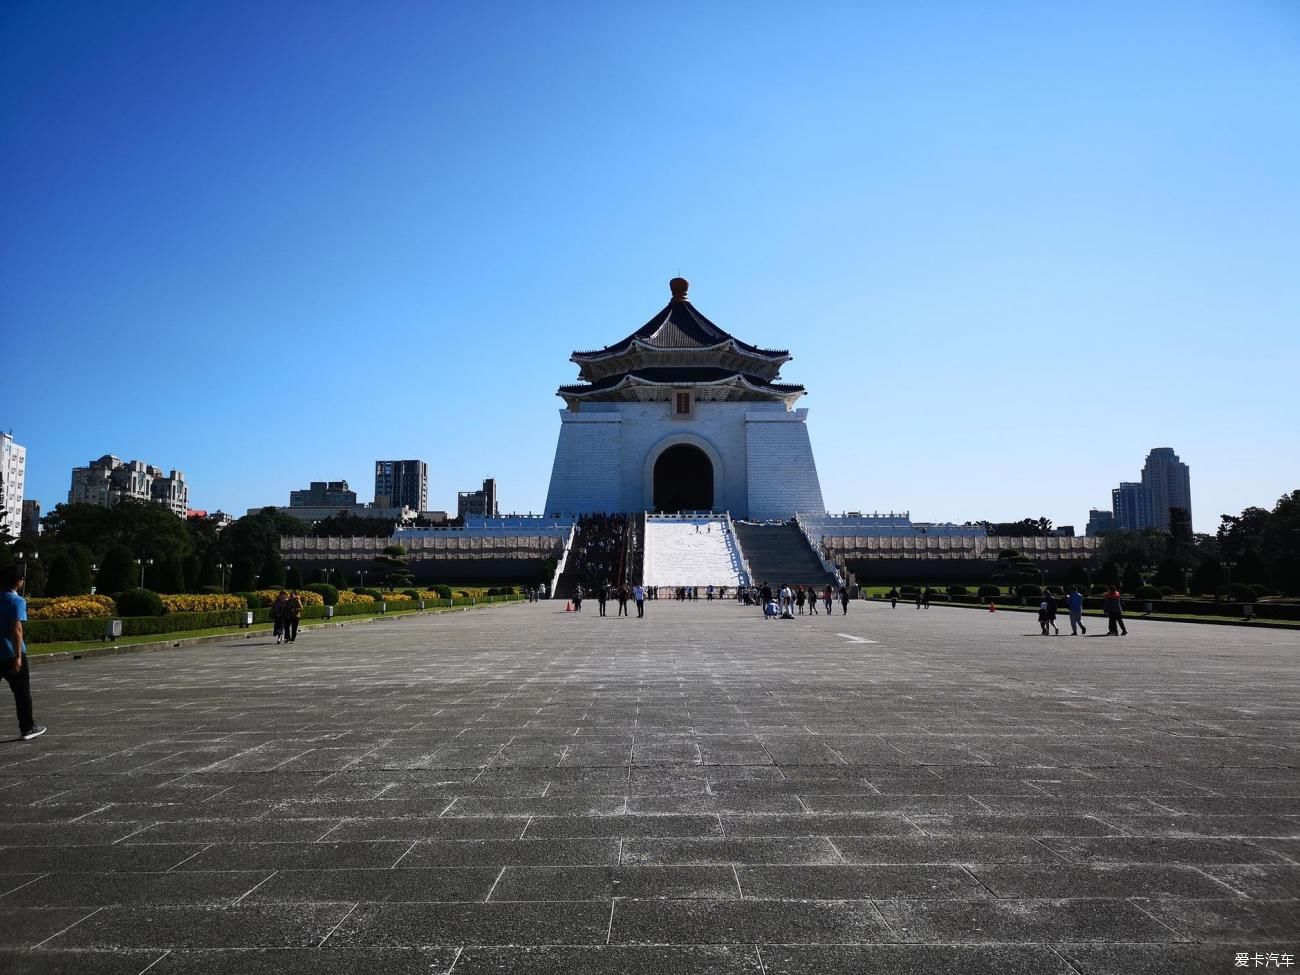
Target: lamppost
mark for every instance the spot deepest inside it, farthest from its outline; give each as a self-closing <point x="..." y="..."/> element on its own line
<point x="142" y="563"/>
<point x="1227" y="568"/>
<point x="94" y="573"/>
<point x="363" y="577"/>
<point x="224" y="567"/>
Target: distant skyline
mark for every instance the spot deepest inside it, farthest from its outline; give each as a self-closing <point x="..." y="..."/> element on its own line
<point x="1011" y="246"/>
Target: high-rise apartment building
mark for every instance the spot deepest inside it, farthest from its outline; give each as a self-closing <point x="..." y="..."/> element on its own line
<point x="1170" y="483"/>
<point x="109" y="480"/>
<point x="13" y="479"/>
<point x="31" y="518"/>
<point x="324" y="494"/>
<point x="402" y="484"/>
<point x="1132" y="504"/>
<point x="478" y="504"/>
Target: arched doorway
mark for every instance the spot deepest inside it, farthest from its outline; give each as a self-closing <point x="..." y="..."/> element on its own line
<point x="683" y="479"/>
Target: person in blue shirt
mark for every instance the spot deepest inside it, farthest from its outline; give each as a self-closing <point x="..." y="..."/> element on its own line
<point x="1074" y="602"/>
<point x="13" y="653"/>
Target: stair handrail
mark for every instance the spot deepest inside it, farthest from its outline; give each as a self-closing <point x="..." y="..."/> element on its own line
<point x="564" y="559"/>
<point x="746" y="577"/>
<point x="815" y="545"/>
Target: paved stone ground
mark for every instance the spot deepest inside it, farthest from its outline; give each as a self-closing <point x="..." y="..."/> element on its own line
<point x="529" y="791"/>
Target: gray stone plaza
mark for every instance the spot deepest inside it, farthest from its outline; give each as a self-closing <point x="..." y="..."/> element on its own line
<point x="526" y="790"/>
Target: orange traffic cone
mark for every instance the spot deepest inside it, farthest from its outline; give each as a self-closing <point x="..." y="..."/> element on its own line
<point x="993" y="607"/>
<point x="568" y="607"/>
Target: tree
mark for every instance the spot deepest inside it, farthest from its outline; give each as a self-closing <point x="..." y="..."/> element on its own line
<point x="1146" y="547"/>
<point x="65" y="578"/>
<point x="35" y="578"/>
<point x="209" y="574"/>
<point x="392" y="569"/>
<point x="1181" y="543"/>
<point x="1132" y="581"/>
<point x="257" y="537"/>
<point x="82" y="557"/>
<point x="116" y="572"/>
<point x="293" y="577"/>
<point x="1076" y="575"/>
<point x="171" y="575"/>
<point x="1207" y="580"/>
<point x="1170" y="573"/>
<point x="1241" y="532"/>
<point x="272" y="574"/>
<point x="1044" y="526"/>
<point x="243" y="577"/>
<point x="1109" y="574"/>
<point x="1024" y="528"/>
<point x="1280" y="544"/>
<point x="193" y="573"/>
<point x="1251" y="569"/>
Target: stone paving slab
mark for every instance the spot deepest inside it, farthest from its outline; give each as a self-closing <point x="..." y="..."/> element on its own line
<point x="532" y="791"/>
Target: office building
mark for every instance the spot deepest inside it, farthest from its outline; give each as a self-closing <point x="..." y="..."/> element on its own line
<point x="324" y="494"/>
<point x="1100" y="521"/>
<point x="402" y="484"/>
<point x="1132" y="504"/>
<point x="481" y="503"/>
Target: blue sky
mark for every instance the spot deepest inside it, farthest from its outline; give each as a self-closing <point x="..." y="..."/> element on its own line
<point x="1012" y="246"/>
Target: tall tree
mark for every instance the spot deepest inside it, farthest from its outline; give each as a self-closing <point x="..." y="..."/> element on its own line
<point x="243" y="577"/>
<point x="116" y="572"/>
<point x="65" y="578"/>
<point x="171" y="575"/>
<point x="1132" y="581"/>
<point x="1207" y="580"/>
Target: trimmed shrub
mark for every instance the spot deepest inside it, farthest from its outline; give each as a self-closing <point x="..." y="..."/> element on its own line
<point x="372" y="593"/>
<point x="326" y="592"/>
<point x="958" y="591"/>
<point x="71" y="607"/>
<point x="1029" y="590"/>
<point x="212" y="590"/>
<point x="443" y="591"/>
<point x="251" y="599"/>
<point x="1167" y="591"/>
<point x="1100" y="590"/>
<point x="989" y="592"/>
<point x="139" y="602"/>
<point x="1260" y="590"/>
<point x="347" y="598"/>
<point x="201" y="604"/>
<point x="1147" y="592"/>
<point x="411" y="594"/>
<point x="1242" y="593"/>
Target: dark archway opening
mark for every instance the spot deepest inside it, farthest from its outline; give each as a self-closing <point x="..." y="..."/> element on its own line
<point x="683" y="479"/>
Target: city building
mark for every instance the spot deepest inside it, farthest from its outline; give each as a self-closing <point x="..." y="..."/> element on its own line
<point x="1170" y="483"/>
<point x="481" y="503"/>
<point x="1100" y="521"/>
<point x="13" y="480"/>
<point x="218" y="518"/>
<point x="31" y="517"/>
<point x="1132" y="505"/>
<point x="314" y="513"/>
<point x="402" y="484"/>
<point x="109" y="480"/>
<point x="324" y="494"/>
<point x="682" y="416"/>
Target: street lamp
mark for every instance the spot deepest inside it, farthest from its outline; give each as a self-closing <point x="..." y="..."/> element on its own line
<point x="142" y="563"/>
<point x="94" y="572"/>
<point x="1227" y="568"/>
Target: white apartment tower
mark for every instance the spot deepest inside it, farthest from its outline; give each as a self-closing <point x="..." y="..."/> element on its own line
<point x="13" y="479"/>
<point x="109" y="480"/>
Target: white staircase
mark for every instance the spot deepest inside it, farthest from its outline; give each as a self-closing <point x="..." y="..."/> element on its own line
<point x="691" y="551"/>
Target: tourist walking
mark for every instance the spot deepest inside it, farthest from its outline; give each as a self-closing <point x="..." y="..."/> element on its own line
<point x="1074" y="603"/>
<point x="602" y="597"/>
<point x="893" y="597"/>
<point x="277" y="615"/>
<point x="638" y="597"/>
<point x="292" y="616"/>
<point x="1113" y="605"/>
<point x="925" y="598"/>
<point x="1051" y="611"/>
<point x="13" y="651"/>
<point x="918" y="599"/>
<point x="622" y="599"/>
<point x="844" y="600"/>
<point x="577" y="599"/>
<point x="1042" y="618"/>
<point x="828" y="597"/>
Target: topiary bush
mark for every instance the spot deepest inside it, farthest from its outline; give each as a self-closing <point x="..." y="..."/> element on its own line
<point x="326" y="592"/>
<point x="374" y="594"/>
<point x="1147" y="592"/>
<point x="443" y="591"/>
<point x="411" y="593"/>
<point x="1029" y="590"/>
<point x="1100" y="590"/>
<point x="1242" y="593"/>
<point x="989" y="592"/>
<point x="1167" y="591"/>
<point x="252" y="600"/>
<point x="211" y="591"/>
<point x="1260" y="590"/>
<point x="139" y="602"/>
<point x="958" y="591"/>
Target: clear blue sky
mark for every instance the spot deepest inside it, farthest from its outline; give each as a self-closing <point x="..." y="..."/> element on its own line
<point x="1012" y="246"/>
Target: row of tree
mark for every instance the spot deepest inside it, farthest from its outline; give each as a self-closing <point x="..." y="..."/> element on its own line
<point x="139" y="543"/>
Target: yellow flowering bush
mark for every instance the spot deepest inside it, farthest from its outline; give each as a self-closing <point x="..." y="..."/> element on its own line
<point x="190" y="603"/>
<point x="71" y="607"/>
<point x="347" y="596"/>
<point x="396" y="597"/>
<point x="308" y="598"/>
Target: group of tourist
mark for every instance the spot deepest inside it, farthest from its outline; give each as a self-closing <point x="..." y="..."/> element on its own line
<point x="605" y="592"/>
<point x="786" y="603"/>
<point x="1112" y="607"/>
<point x="598" y="549"/>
